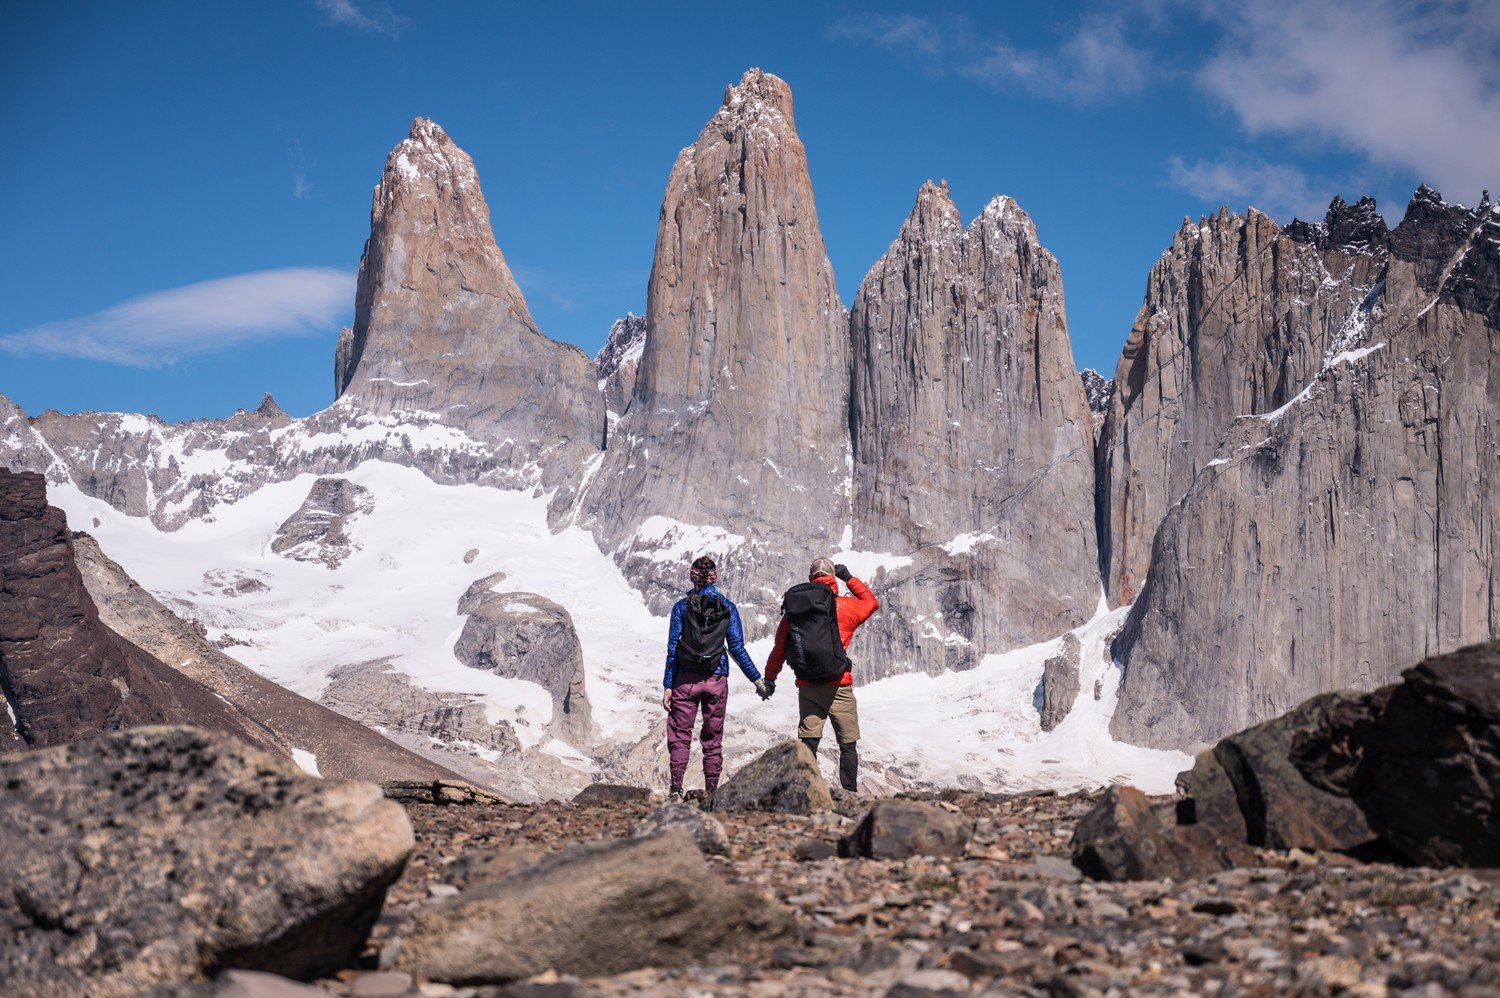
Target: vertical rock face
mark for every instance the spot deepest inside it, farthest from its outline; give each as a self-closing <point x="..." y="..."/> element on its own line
<point x="972" y="438"/>
<point x="739" y="418"/>
<point x="1237" y="318"/>
<point x="63" y="674"/>
<point x="618" y="363"/>
<point x="440" y="326"/>
<point x="1352" y="529"/>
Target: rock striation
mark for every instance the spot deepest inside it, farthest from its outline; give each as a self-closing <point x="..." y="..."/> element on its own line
<point x="161" y="855"/>
<point x="1350" y="529"/>
<point x="737" y="429"/>
<point x="63" y="673"/>
<point x="441" y="327"/>
<point x="972" y="439"/>
<point x="319" y="531"/>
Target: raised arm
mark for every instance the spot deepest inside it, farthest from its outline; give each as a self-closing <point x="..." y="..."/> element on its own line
<point x="862" y="603"/>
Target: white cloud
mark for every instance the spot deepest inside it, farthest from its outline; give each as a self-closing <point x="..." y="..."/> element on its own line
<point x="166" y="326"/>
<point x="1092" y="62"/>
<point x="1278" y="189"/>
<point x="1412" y="87"/>
<point x="366" y="16"/>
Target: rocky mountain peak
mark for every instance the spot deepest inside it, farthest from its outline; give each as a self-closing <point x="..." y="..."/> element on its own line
<point x="1356" y="227"/>
<point x="758" y="95"/>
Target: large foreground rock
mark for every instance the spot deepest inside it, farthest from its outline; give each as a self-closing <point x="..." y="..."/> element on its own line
<point x="1410" y="772"/>
<point x="784" y="778"/>
<point x="166" y="854"/>
<point x="597" y="909"/>
<point x="897" y="829"/>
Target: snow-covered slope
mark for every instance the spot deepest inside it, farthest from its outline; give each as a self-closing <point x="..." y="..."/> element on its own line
<point x="422" y="544"/>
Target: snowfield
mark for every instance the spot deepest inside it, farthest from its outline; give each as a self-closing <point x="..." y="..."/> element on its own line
<point x="395" y="599"/>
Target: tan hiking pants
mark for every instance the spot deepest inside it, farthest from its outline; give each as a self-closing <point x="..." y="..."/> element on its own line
<point x="835" y="703"/>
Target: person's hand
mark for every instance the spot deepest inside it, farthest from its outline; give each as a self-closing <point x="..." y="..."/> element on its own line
<point x="842" y="571"/>
<point x="765" y="687"/>
<point x="666" y="700"/>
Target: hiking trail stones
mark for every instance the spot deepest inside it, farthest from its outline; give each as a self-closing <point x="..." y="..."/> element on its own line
<point x="897" y="829"/>
<point x="162" y="854"/>
<point x="601" y="908"/>
<point x="783" y="778"/>
<point x="706" y="830"/>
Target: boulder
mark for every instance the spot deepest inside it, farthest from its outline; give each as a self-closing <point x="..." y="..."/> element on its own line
<point x="1125" y="838"/>
<point x="705" y="829"/>
<point x="526" y="636"/>
<point x="593" y="910"/>
<point x="897" y="829"/>
<point x="165" y="854"/>
<point x="783" y="778"/>
<point x="439" y="792"/>
<point x="1059" y="686"/>
<point x="610" y="795"/>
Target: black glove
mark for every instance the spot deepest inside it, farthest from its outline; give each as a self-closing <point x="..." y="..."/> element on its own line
<point x="842" y="571"/>
<point x="765" y="687"/>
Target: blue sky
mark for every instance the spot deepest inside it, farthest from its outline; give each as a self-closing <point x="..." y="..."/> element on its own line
<point x="187" y="187"/>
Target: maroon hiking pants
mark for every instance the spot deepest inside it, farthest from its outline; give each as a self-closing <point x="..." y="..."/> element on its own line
<point x="691" y="692"/>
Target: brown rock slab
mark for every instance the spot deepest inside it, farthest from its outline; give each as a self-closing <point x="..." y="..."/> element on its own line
<point x="897" y="829"/>
<point x="783" y="778"/>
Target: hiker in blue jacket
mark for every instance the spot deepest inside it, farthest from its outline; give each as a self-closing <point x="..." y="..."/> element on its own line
<point x="704" y="623"/>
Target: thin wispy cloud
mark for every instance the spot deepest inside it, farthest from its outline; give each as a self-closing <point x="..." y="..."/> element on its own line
<point x="209" y="317"/>
<point x="1409" y="88"/>
<point x="1281" y="190"/>
<point x="365" y="15"/>
<point x="1092" y="62"/>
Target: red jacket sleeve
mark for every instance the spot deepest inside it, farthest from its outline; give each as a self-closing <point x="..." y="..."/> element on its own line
<point x="857" y="608"/>
<point x="777" y="657"/>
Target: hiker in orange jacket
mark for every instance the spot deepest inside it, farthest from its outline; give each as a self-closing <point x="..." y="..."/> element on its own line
<point x="826" y="699"/>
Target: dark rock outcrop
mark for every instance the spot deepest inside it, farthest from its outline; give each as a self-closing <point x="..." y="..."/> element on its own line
<point x="618" y="362"/>
<point x="526" y="636"/>
<point x="344" y="749"/>
<point x="64" y="674"/>
<point x="971" y="440"/>
<point x="439" y="792"/>
<point x="897" y="829"/>
<point x="441" y="328"/>
<point x="1345" y="526"/>
<point x="319" y="530"/>
<point x="1060" y="683"/>
<point x="783" y="778"/>
<point x="739" y="415"/>
<point x="1410" y="771"/>
<point x="598" y="909"/>
<point x="1098" y="390"/>
<point x="161" y="855"/>
<point x="611" y="795"/>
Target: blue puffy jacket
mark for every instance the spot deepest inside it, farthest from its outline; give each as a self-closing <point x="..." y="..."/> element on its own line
<point x="735" y="639"/>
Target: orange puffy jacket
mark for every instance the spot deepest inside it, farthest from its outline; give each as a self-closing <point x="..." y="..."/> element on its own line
<point x="852" y="610"/>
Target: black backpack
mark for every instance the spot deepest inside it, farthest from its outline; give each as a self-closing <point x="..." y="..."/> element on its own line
<point x="814" y="649"/>
<point x="705" y="622"/>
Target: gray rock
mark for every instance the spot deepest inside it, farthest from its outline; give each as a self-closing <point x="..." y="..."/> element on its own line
<point x="439" y="792"/>
<point x="1098" y="390"/>
<point x="899" y="829"/>
<point x="618" y="362"/>
<point x="593" y="910"/>
<point x="611" y="795"/>
<point x="1056" y="868"/>
<point x="1059" y="686"/>
<point x="319" y="531"/>
<point x="163" y="854"/>
<point x="526" y="636"/>
<point x="738" y="426"/>
<point x="963" y="382"/>
<point x="441" y="327"/>
<point x="705" y="829"/>
<point x="1125" y="838"/>
<point x="1249" y="607"/>
<point x="783" y="778"/>
<point x="258" y="984"/>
